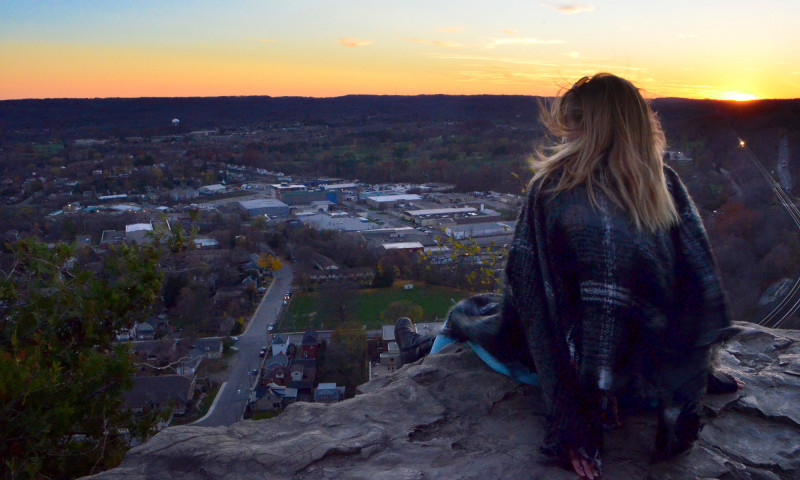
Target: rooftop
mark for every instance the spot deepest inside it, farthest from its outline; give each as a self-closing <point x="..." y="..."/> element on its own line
<point x="261" y="203"/>
<point x="395" y="198"/>
<point x="440" y="211"/>
<point x="402" y="245"/>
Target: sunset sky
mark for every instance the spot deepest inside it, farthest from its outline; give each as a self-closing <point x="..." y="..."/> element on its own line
<point x="736" y="49"/>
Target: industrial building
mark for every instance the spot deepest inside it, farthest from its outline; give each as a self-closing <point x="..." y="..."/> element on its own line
<point x="265" y="206"/>
<point x="388" y="201"/>
<point x="474" y="230"/>
<point x="212" y="189"/>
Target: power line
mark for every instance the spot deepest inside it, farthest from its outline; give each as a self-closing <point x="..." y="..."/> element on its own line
<point x="792" y="299"/>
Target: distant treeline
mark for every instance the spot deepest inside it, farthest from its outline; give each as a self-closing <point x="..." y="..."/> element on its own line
<point x="36" y="120"/>
<point x="153" y="116"/>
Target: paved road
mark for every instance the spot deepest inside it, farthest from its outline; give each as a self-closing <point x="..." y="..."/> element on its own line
<point x="784" y="176"/>
<point x="232" y="398"/>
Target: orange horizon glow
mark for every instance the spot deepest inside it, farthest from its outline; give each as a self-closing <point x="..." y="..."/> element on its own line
<point x="71" y="72"/>
<point x="157" y="80"/>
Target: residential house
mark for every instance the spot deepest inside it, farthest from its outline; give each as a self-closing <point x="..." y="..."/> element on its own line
<point x="124" y="334"/>
<point x="387" y="337"/>
<point x="281" y="359"/>
<point x="156" y="393"/>
<point x="296" y="372"/>
<point x="289" y="396"/>
<point x="151" y="351"/>
<point x="266" y="399"/>
<point x="309" y="368"/>
<point x="309" y="348"/>
<point x="209" y="347"/>
<point x="272" y="397"/>
<point x="303" y="373"/>
<point x="277" y="374"/>
<point x="143" y="331"/>
<point x="279" y="344"/>
<point x="390" y="358"/>
<point x="305" y="390"/>
<point x="187" y="366"/>
<point x="328" y="393"/>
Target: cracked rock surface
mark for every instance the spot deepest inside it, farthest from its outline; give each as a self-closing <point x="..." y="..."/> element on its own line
<point x="449" y="417"/>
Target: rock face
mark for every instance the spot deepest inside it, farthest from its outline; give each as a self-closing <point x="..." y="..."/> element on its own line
<point x="449" y="417"/>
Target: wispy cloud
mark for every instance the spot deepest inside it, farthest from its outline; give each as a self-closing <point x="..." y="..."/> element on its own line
<point x="573" y="54"/>
<point x="451" y="29"/>
<point x="500" y="75"/>
<point x="687" y="35"/>
<point x="566" y="69"/>
<point x="499" y="42"/>
<point x="569" y="8"/>
<point x="438" y="43"/>
<point x="353" y="42"/>
<point x="266" y="40"/>
<point x="508" y="31"/>
<point x="684" y="89"/>
<point x="480" y="59"/>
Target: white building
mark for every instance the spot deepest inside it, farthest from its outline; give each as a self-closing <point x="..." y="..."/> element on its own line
<point x="212" y="189"/>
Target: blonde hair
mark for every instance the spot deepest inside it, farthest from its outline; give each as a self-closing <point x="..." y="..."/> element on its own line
<point x="613" y="143"/>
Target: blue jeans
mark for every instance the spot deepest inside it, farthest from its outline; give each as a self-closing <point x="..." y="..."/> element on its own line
<point x="520" y="372"/>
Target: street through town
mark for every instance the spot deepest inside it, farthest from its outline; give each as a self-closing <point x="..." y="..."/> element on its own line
<point x="232" y="398"/>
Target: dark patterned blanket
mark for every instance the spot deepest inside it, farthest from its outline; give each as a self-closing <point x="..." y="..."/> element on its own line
<point x="599" y="308"/>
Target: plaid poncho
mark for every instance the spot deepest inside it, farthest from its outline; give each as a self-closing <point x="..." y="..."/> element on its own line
<point x="596" y="306"/>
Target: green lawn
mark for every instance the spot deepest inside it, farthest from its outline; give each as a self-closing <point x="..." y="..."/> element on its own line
<point x="369" y="303"/>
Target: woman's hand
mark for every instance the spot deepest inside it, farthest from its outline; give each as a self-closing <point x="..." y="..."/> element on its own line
<point x="583" y="466"/>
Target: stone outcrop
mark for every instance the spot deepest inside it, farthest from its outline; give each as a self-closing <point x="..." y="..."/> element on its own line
<point x="449" y="417"/>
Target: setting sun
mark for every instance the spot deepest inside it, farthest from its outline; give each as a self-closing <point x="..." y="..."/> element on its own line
<point x="739" y="97"/>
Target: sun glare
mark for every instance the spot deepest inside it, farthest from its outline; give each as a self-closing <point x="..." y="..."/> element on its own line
<point x="738" y="96"/>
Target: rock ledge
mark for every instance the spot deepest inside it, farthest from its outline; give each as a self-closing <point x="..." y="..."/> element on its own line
<point x="448" y="416"/>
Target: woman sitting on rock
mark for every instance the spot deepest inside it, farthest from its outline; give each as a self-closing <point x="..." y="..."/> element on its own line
<point x="611" y="288"/>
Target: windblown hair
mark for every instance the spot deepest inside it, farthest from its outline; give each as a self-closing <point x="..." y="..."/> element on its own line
<point x="613" y="143"/>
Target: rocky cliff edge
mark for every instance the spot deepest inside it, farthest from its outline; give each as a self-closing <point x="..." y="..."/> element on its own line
<point x="449" y="417"/>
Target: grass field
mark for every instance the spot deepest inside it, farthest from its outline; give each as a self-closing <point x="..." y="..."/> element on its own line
<point x="369" y="303"/>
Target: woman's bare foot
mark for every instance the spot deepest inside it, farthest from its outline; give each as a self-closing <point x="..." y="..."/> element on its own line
<point x="584" y="466"/>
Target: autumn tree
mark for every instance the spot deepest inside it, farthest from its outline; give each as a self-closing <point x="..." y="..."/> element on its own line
<point x="467" y="265"/>
<point x="344" y="360"/>
<point x="62" y="381"/>
<point x="269" y="262"/>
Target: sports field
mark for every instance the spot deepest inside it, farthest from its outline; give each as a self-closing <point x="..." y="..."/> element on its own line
<point x="368" y="304"/>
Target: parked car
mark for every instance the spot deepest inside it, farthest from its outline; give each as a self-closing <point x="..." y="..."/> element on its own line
<point x="263" y="352"/>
